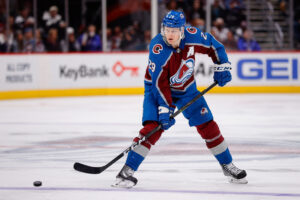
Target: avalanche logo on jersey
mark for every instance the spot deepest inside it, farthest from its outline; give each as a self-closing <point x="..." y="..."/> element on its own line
<point x="157" y="48"/>
<point x="183" y="74"/>
<point x="191" y="30"/>
<point x="204" y="111"/>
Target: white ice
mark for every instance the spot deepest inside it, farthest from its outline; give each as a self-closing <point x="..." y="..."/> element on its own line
<point x="40" y="139"/>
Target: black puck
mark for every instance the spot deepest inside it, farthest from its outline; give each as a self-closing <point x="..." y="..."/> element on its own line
<point x="37" y="183"/>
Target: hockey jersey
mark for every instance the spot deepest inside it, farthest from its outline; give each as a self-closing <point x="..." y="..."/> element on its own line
<point x="170" y="71"/>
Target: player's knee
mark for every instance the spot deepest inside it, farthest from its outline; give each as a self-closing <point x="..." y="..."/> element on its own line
<point x="208" y="130"/>
<point x="149" y="126"/>
<point x="211" y="133"/>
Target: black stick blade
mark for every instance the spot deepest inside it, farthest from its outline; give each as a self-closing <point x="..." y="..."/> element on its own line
<point x="87" y="169"/>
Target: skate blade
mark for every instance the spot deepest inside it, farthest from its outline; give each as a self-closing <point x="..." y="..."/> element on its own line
<point x="237" y="181"/>
<point x="121" y="183"/>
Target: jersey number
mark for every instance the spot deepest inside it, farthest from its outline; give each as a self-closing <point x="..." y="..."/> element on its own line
<point x="151" y="65"/>
<point x="204" y="36"/>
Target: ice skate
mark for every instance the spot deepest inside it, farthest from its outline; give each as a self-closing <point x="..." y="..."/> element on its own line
<point x="234" y="174"/>
<point x="125" y="178"/>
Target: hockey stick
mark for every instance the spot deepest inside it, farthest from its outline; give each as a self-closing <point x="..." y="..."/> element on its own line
<point x="97" y="170"/>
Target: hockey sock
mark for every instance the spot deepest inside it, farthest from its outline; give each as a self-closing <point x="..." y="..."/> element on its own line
<point x="134" y="160"/>
<point x="224" y="157"/>
<point x="136" y="156"/>
<point x="215" y="142"/>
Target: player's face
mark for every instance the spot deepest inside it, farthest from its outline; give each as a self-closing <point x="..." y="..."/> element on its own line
<point x="172" y="35"/>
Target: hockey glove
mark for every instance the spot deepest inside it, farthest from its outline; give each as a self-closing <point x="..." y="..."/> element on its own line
<point x="164" y="118"/>
<point x="222" y="74"/>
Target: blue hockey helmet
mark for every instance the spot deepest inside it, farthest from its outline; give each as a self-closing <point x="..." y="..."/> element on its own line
<point x="174" y="19"/>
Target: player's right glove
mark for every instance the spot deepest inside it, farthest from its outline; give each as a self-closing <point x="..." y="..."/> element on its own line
<point x="222" y="74"/>
<point x="164" y="117"/>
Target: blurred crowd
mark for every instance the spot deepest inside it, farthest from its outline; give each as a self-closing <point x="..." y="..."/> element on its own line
<point x="54" y="35"/>
<point x="228" y="21"/>
<point x="49" y="37"/>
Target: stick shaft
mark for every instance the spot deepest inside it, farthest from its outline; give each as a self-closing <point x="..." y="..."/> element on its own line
<point x="97" y="170"/>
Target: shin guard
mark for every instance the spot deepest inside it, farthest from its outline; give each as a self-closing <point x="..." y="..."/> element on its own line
<point x="215" y="142"/>
<point x="138" y="154"/>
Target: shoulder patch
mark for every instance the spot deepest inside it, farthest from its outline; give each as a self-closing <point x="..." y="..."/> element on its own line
<point x="191" y="30"/>
<point x="157" y="48"/>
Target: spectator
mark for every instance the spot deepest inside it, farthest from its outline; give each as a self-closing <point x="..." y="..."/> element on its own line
<point x="52" y="42"/>
<point x="54" y="20"/>
<point x="199" y="23"/>
<point x="3" y="45"/>
<point x="234" y="15"/>
<point x="147" y="39"/>
<point x="73" y="44"/>
<point x="109" y="36"/>
<point x="283" y="7"/>
<point x="230" y="43"/>
<point x="137" y="31"/>
<point x="29" y="42"/>
<point x="23" y="20"/>
<point x="219" y="30"/>
<point x="11" y="42"/>
<point x="117" y="39"/>
<point x="144" y="45"/>
<point x="197" y="11"/>
<point x="39" y="44"/>
<point x="18" y="42"/>
<point x="247" y="42"/>
<point x="90" y="41"/>
<point x="3" y="42"/>
<point x="129" y="40"/>
<point x="240" y="30"/>
<point x="217" y="10"/>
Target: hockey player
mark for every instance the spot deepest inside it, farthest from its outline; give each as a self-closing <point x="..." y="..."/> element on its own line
<point x="169" y="83"/>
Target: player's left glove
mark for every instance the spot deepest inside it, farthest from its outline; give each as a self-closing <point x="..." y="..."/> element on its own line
<point x="222" y="74"/>
<point x="164" y="117"/>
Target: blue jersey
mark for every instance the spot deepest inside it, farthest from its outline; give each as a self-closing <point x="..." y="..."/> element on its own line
<point x="170" y="72"/>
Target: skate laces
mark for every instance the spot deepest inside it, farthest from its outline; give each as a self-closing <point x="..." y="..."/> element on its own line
<point x="232" y="168"/>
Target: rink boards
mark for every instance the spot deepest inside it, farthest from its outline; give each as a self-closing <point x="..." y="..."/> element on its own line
<point x="79" y="74"/>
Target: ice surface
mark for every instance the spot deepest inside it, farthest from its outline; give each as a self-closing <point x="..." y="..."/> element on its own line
<point x="40" y="139"/>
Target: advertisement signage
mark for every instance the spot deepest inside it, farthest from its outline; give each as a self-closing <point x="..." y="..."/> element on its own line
<point x="125" y="71"/>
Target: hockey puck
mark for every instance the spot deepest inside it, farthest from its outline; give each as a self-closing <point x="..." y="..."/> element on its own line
<point x="37" y="183"/>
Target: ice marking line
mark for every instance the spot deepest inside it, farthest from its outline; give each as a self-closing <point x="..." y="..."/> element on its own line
<point x="66" y="123"/>
<point x="153" y="191"/>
